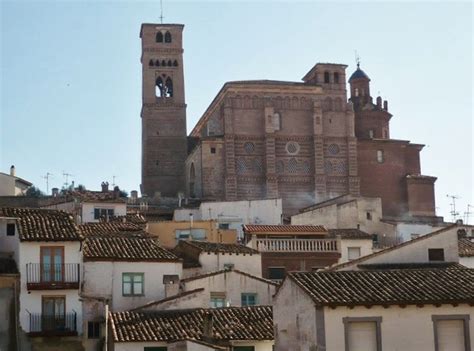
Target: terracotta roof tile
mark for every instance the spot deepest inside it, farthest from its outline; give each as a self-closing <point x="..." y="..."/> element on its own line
<point x="205" y="246"/>
<point x="229" y="323"/>
<point x="43" y="225"/>
<point x="134" y="218"/>
<point x="387" y="287"/>
<point x="109" y="228"/>
<point x="466" y="247"/>
<point x="124" y="247"/>
<point x="95" y="196"/>
<point x="258" y="228"/>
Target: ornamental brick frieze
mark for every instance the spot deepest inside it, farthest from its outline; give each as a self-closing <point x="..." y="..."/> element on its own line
<point x="299" y="138"/>
<point x="278" y="102"/>
<point x="173" y="51"/>
<point x="166" y="103"/>
<point x="336" y="180"/>
<point x="251" y="179"/>
<point x="295" y="179"/>
<point x="250" y="137"/>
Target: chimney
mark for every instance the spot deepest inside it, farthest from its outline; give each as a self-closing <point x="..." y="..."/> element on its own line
<point x="379" y="102"/>
<point x="12" y="171"/>
<point x="55" y="192"/>
<point x="171" y="282"/>
<point x="116" y="192"/>
<point x="105" y="187"/>
<point x="385" y="105"/>
<point x="134" y="196"/>
<point x="207" y="326"/>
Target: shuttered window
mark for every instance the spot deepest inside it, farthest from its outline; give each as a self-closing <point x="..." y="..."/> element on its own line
<point x="451" y="335"/>
<point x="362" y="336"/>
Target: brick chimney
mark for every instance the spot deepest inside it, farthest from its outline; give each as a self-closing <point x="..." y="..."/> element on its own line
<point x="116" y="192"/>
<point x="105" y="187"/>
<point x="55" y="192"/>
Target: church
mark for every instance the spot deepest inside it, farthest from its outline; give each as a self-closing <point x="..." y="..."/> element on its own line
<point x="303" y="141"/>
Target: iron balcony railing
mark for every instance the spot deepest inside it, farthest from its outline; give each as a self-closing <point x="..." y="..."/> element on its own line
<point x="53" y="325"/>
<point x="295" y="245"/>
<point x="43" y="276"/>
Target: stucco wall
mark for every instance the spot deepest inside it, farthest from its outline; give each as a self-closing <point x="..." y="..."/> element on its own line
<point x="8" y="243"/>
<point x="467" y="261"/>
<point x="29" y="252"/>
<point x="408" y="329"/>
<point x="246" y="263"/>
<point x="7" y="185"/>
<point x="365" y="246"/>
<point x="120" y="209"/>
<point x="294" y="317"/>
<point x="233" y="284"/>
<point x="104" y="279"/>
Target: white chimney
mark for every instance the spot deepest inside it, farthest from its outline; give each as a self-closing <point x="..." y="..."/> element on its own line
<point x="12" y="171"/>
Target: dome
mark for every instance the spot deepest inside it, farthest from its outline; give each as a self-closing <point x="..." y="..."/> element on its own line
<point x="359" y="74"/>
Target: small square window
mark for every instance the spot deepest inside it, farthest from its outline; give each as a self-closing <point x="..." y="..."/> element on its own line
<point x="132" y="284"/>
<point x="93" y="330"/>
<point x="223" y="225"/>
<point x="380" y="156"/>
<point x="213" y="150"/>
<point x="353" y="253"/>
<point x="10" y="229"/>
<point x="248" y="299"/>
<point x="436" y="254"/>
<point x="276" y="273"/>
<point x="368" y="215"/>
<point x="218" y="299"/>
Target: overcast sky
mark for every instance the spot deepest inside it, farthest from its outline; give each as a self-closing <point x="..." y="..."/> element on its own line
<point x="71" y="76"/>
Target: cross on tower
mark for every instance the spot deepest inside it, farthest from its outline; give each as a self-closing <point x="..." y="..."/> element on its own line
<point x="161" y="13"/>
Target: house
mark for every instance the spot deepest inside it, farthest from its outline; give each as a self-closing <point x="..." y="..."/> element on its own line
<point x="466" y="250"/>
<point x="122" y="270"/>
<point x="286" y="248"/>
<point x="234" y="214"/>
<point x="200" y="329"/>
<point x="171" y="232"/>
<point x="394" y="309"/>
<point x="437" y="248"/>
<point x="365" y="213"/>
<point x="46" y="246"/>
<point x="354" y="243"/>
<point x="11" y="185"/>
<point x="203" y="257"/>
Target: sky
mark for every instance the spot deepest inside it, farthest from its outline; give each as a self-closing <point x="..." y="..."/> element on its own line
<point x="70" y="84"/>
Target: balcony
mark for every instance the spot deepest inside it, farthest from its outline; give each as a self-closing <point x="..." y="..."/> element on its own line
<point x="53" y="325"/>
<point x="52" y="276"/>
<point x="295" y="245"/>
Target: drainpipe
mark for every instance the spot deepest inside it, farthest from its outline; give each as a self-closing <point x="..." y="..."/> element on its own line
<point x="106" y="327"/>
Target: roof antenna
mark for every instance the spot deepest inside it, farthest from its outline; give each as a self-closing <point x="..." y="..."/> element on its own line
<point x="357" y="58"/>
<point x="161" y="8"/>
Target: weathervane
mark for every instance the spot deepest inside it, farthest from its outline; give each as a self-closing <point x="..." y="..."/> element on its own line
<point x="357" y="58"/>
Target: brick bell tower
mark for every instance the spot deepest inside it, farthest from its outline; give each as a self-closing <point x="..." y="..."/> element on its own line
<point x="164" y="142"/>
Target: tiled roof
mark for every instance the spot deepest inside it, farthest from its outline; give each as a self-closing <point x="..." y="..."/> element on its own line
<point x="95" y="196"/>
<point x="466" y="247"/>
<point x="349" y="234"/>
<point x="109" y="228"/>
<point x="387" y="287"/>
<point x="391" y="248"/>
<point x="423" y="265"/>
<point x="8" y="266"/>
<point x="205" y="246"/>
<point x="224" y="271"/>
<point x="229" y="323"/>
<point x="167" y="299"/>
<point x="43" y="225"/>
<point x="134" y="218"/>
<point x="124" y="247"/>
<point x="258" y="228"/>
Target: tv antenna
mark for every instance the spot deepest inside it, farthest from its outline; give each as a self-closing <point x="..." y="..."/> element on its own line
<point x="67" y="175"/>
<point x="453" y="206"/>
<point x="468" y="212"/>
<point x="161" y="11"/>
<point x="47" y="176"/>
<point x="113" y="181"/>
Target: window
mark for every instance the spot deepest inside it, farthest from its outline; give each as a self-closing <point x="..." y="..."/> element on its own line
<point x="159" y="37"/>
<point x="371" y="133"/>
<point x="53" y="313"/>
<point x="93" y="330"/>
<point x="353" y="253"/>
<point x="243" y="348"/>
<point x="103" y="213"/>
<point x="276" y="121"/>
<point x="132" y="284"/>
<point x="168" y="88"/>
<point x="52" y="263"/>
<point x="167" y="37"/>
<point x="224" y="225"/>
<point x="362" y="333"/>
<point x="10" y="229"/>
<point x="248" y="299"/>
<point x="451" y="332"/>
<point x="155" y="348"/>
<point x="368" y="215"/>
<point x="336" y="77"/>
<point x="436" y="254"/>
<point x="213" y="150"/>
<point x="326" y="77"/>
<point x="375" y="238"/>
<point x="228" y="266"/>
<point x="380" y="157"/>
<point x="218" y="299"/>
<point x="276" y="273"/>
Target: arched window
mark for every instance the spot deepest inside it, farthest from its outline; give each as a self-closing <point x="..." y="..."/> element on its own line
<point x="157" y="62"/>
<point x="169" y="87"/>
<point x="159" y="88"/>
<point x="159" y="37"/>
<point x="167" y="37"/>
<point x="380" y="156"/>
<point x="192" y="178"/>
<point x="326" y="77"/>
<point x="163" y="63"/>
<point x="356" y="91"/>
<point x="170" y="63"/>
<point x="151" y="63"/>
<point x="175" y="63"/>
<point x="336" y="77"/>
